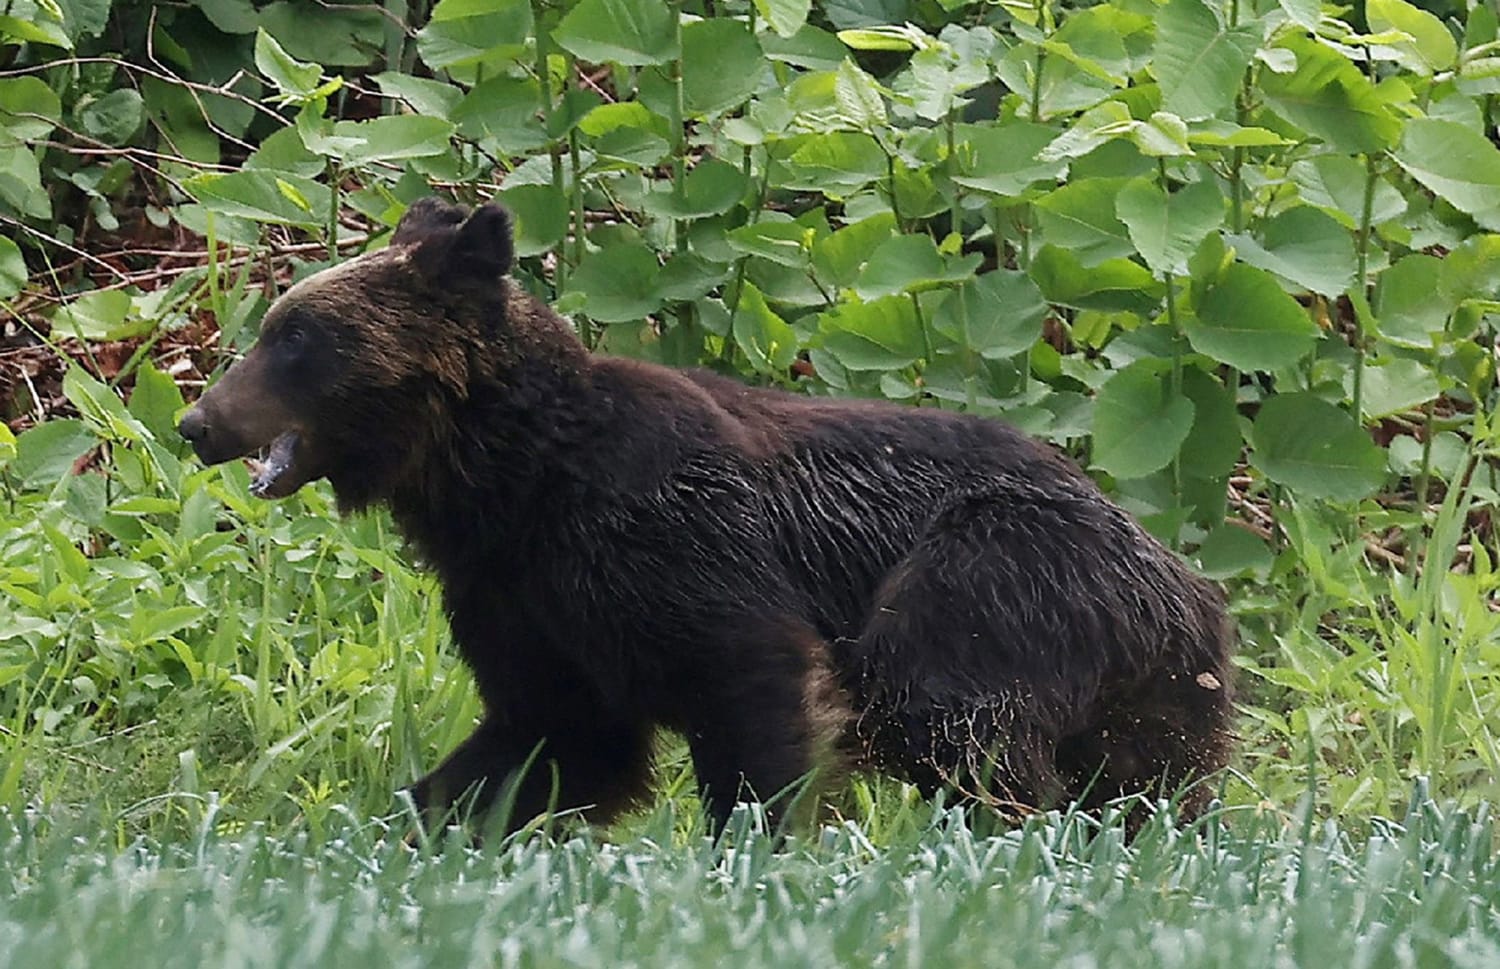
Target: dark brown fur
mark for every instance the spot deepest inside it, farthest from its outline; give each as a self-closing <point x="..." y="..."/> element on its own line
<point x="624" y="546"/>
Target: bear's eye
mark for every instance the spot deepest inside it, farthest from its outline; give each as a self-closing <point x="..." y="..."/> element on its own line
<point x="292" y="335"/>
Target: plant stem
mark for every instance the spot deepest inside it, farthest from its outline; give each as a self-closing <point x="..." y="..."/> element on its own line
<point x="1362" y="263"/>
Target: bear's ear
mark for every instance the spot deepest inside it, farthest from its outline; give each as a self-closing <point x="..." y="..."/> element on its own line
<point x="426" y="217"/>
<point x="454" y="251"/>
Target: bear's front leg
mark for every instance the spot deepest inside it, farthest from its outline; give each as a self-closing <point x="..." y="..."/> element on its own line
<point x="597" y="766"/>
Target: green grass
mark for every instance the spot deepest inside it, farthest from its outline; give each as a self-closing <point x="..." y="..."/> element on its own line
<point x="1240" y="891"/>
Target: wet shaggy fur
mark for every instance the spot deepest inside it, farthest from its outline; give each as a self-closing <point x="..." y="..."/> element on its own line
<point x="785" y="580"/>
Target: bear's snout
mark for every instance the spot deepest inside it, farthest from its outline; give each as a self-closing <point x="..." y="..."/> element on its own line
<point x="194" y="426"/>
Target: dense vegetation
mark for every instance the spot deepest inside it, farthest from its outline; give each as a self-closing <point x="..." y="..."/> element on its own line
<point x="1240" y="258"/>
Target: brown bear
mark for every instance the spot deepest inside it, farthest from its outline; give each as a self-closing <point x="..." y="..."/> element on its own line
<point x="784" y="579"/>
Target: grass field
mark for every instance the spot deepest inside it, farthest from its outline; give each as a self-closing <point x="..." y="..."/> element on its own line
<point x="1241" y="891"/>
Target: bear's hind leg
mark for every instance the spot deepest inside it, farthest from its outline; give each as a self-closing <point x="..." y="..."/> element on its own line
<point x="772" y="716"/>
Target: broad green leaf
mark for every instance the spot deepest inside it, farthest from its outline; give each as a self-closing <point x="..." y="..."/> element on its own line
<point x="328" y="34"/>
<point x="151" y="625"/>
<point x="1163" y="135"/>
<point x="765" y="338"/>
<point x="463" y="33"/>
<point x="1213" y="446"/>
<point x="1410" y="308"/>
<point x="155" y="401"/>
<point x="47" y="451"/>
<point x="786" y="17"/>
<point x="688" y="276"/>
<point x="1246" y="320"/>
<point x="103" y="314"/>
<point x="712" y="187"/>
<point x="997" y="315"/>
<point x="1112" y="285"/>
<point x="1230" y="550"/>
<point x="1336" y="184"/>
<point x="502" y="111"/>
<point x="783" y="243"/>
<point x="425" y="96"/>
<point x="29" y="109"/>
<point x="1100" y="124"/>
<point x="618" y="283"/>
<point x="113" y="118"/>
<point x="838" y="162"/>
<point x="393" y="138"/>
<point x="1314" y="448"/>
<point x="1328" y="97"/>
<point x="262" y="196"/>
<point x="810" y="48"/>
<point x="1431" y="48"/>
<point x="722" y="66"/>
<point x="858" y="97"/>
<point x="633" y="32"/>
<point x="1395" y="386"/>
<point x="1080" y="217"/>
<point x="230" y="16"/>
<point x="1139" y="423"/>
<point x="293" y="78"/>
<point x="910" y="263"/>
<point x="1305" y="245"/>
<point x="21" y="182"/>
<point x="1472" y="270"/>
<point x="883" y="335"/>
<point x="1200" y="61"/>
<point x="13" y="273"/>
<point x="1002" y="159"/>
<point x="1456" y="162"/>
<point x="541" y="216"/>
<point x="839" y="257"/>
<point x="1166" y="229"/>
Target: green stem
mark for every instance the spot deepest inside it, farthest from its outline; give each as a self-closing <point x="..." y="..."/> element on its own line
<point x="956" y="216"/>
<point x="333" y="211"/>
<point x="1362" y="263"/>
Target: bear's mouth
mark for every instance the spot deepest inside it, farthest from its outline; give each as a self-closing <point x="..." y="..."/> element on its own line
<point x="275" y="473"/>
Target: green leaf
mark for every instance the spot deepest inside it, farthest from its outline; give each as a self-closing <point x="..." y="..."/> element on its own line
<point x="765" y="338"/>
<point x="1166" y="229"/>
<point x="839" y="257"/>
<point x="21" y="182"/>
<point x="502" y="111"/>
<point x="1213" y="446"/>
<point x="786" y="17"/>
<point x="710" y="188"/>
<point x="910" y="263"/>
<point x="541" y="216"/>
<point x="1410" y="308"/>
<point x="618" y="283"/>
<point x="722" y="66"/>
<point x="151" y="625"/>
<point x="393" y="138"/>
<point x="463" y="33"/>
<point x="883" y="335"/>
<point x="633" y="32"/>
<point x="1247" y="321"/>
<point x="997" y="315"/>
<point x="47" y="452"/>
<point x="29" y="109"/>
<point x="262" y="196"/>
<point x="101" y="406"/>
<point x="1329" y="98"/>
<point x="837" y="162"/>
<point x="1336" y="184"/>
<point x="1002" y="159"/>
<point x="1199" y="61"/>
<point x="1431" y="48"/>
<point x="1112" y="285"/>
<point x="1304" y="245"/>
<point x="1397" y="385"/>
<point x="1231" y="550"/>
<point x="114" y="118"/>
<point x="1080" y="217"/>
<point x="1314" y="448"/>
<point x="99" y="315"/>
<point x="155" y="401"/>
<point x="1139" y="423"/>
<point x="293" y="78"/>
<point x="1456" y="162"/>
<point x="230" y="16"/>
<point x="780" y="242"/>
<point x="13" y="273"/>
<point x="858" y="97"/>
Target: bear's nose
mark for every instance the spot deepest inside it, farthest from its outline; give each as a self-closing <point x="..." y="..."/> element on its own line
<point x="194" y="425"/>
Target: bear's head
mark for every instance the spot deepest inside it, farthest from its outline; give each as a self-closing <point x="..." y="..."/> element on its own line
<point x="357" y="365"/>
